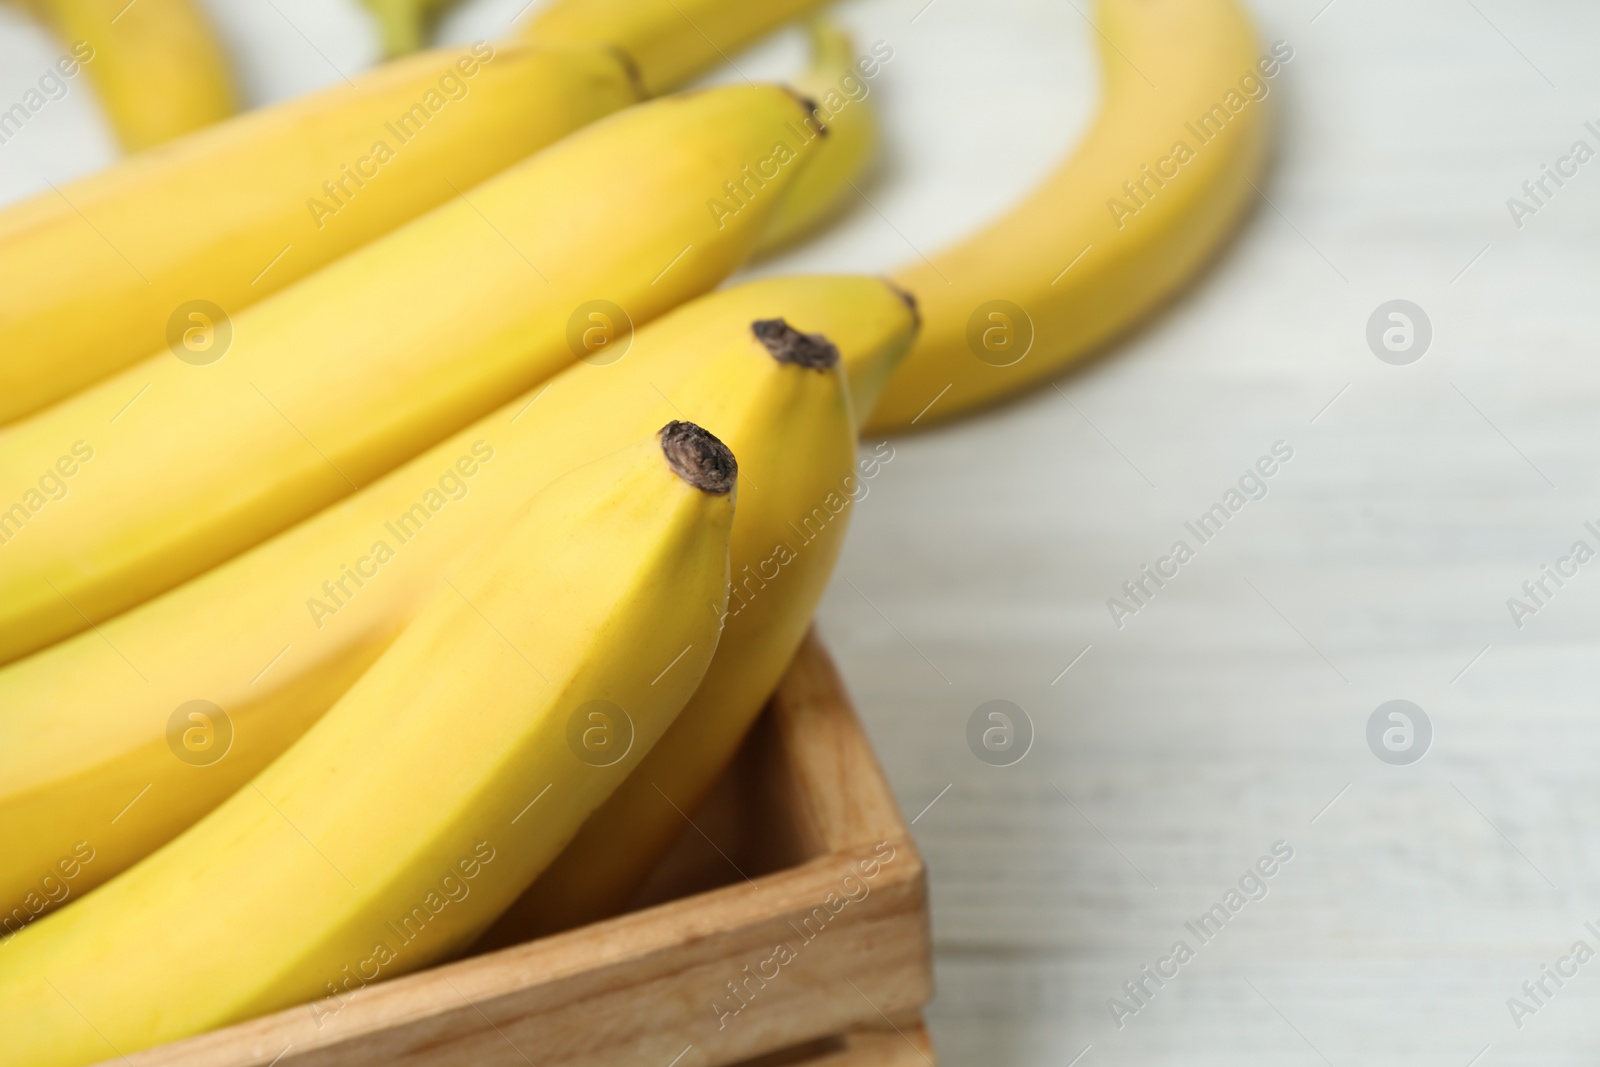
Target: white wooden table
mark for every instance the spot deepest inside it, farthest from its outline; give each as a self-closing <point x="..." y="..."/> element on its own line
<point x="1231" y="713"/>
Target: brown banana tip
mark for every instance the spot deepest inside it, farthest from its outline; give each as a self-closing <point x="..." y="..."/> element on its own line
<point x="788" y="345"/>
<point x="630" y="66"/>
<point x="909" y="299"/>
<point x="696" y="456"/>
<point x="810" y="105"/>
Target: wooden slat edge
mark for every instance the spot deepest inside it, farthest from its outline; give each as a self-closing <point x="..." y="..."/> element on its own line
<point x="908" y="1046"/>
<point x="561" y="970"/>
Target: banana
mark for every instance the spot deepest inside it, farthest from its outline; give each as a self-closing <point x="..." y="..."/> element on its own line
<point x="828" y="182"/>
<point x="95" y="273"/>
<point x="157" y="65"/>
<point x="342" y="377"/>
<point x="1146" y="200"/>
<point x="101" y="761"/>
<point x="785" y="543"/>
<point x="404" y="24"/>
<point x="671" y="41"/>
<point x="395" y="830"/>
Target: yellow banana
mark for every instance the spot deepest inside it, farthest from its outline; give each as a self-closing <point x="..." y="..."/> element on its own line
<point x="1144" y="203"/>
<point x="672" y="41"/>
<point x="157" y="65"/>
<point x="836" y="81"/>
<point x="96" y="273"/>
<point x="114" y="741"/>
<point x="340" y="378"/>
<point x="785" y="543"/>
<point x="395" y="830"/>
<point x="403" y="24"/>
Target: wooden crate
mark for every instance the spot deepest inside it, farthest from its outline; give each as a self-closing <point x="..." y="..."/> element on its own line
<point x="797" y="902"/>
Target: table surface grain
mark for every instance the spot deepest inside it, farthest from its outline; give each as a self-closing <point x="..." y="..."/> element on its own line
<point x="1229" y="716"/>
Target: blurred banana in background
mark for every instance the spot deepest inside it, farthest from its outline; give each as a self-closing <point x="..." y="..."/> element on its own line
<point x="670" y="41"/>
<point x="158" y="67"/>
<point x="837" y="83"/>
<point x="1144" y="202"/>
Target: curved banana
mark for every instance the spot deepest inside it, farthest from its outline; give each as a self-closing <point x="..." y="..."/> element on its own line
<point x="157" y="64"/>
<point x="395" y="830"/>
<point x="335" y="381"/>
<point x="844" y="109"/>
<point x="95" y="273"/>
<point x="403" y="24"/>
<point x="100" y="763"/>
<point x="1145" y="201"/>
<point x="785" y="543"/>
<point x="672" y="41"/>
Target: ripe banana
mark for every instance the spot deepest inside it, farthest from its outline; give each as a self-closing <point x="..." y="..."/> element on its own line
<point x="342" y="377"/>
<point x="836" y="80"/>
<point x="403" y="24"/>
<point x="672" y="41"/>
<point x="100" y="760"/>
<point x="785" y="543"/>
<point x="1144" y="203"/>
<point x="95" y="273"/>
<point x="158" y="66"/>
<point x="417" y="809"/>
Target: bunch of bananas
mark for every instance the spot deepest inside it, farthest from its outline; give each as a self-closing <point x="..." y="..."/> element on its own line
<point x="391" y="553"/>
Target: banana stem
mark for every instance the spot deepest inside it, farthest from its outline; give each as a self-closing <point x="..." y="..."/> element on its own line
<point x="831" y="45"/>
<point x="402" y="24"/>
